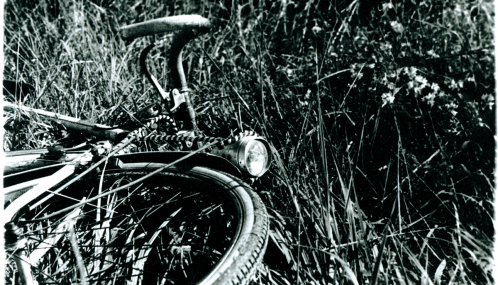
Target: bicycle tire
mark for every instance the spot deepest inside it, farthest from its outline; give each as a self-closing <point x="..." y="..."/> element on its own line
<point x="234" y="208"/>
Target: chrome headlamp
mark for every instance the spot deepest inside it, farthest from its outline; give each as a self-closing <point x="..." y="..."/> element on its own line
<point x="250" y="154"/>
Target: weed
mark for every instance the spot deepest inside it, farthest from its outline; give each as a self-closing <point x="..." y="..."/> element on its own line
<point x="380" y="115"/>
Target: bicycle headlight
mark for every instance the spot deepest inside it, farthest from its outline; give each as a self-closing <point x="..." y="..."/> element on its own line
<point x="250" y="154"/>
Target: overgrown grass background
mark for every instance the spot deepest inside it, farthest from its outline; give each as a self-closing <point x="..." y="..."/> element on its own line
<point x="380" y="114"/>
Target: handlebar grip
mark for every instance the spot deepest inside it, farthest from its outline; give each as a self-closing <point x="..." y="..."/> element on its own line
<point x="166" y="24"/>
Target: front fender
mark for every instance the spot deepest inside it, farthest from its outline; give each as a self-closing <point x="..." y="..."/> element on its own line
<point x="151" y="159"/>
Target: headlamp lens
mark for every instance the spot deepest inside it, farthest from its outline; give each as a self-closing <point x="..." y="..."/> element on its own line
<point x="256" y="157"/>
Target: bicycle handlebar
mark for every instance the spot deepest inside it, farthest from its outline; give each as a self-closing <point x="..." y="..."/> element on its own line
<point x="190" y="27"/>
<point x="166" y="24"/>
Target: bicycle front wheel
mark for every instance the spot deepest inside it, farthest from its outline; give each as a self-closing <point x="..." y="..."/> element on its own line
<point x="176" y="227"/>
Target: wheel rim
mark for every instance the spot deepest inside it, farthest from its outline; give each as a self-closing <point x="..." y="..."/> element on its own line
<point x="198" y="228"/>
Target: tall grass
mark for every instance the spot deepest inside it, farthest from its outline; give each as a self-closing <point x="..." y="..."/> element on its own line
<point x="380" y="117"/>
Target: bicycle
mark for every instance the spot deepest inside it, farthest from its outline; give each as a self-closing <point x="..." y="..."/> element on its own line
<point x="108" y="212"/>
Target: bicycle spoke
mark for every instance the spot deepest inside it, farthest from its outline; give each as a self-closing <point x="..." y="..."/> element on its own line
<point x="169" y="228"/>
<point x="58" y="232"/>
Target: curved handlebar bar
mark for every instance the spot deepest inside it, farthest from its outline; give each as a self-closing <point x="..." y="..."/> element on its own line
<point x="167" y="24"/>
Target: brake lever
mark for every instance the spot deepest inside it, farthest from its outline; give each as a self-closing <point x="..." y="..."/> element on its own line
<point x="174" y="98"/>
<point x="143" y="56"/>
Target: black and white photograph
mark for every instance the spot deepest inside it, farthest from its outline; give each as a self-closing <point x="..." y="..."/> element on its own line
<point x="252" y="142"/>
